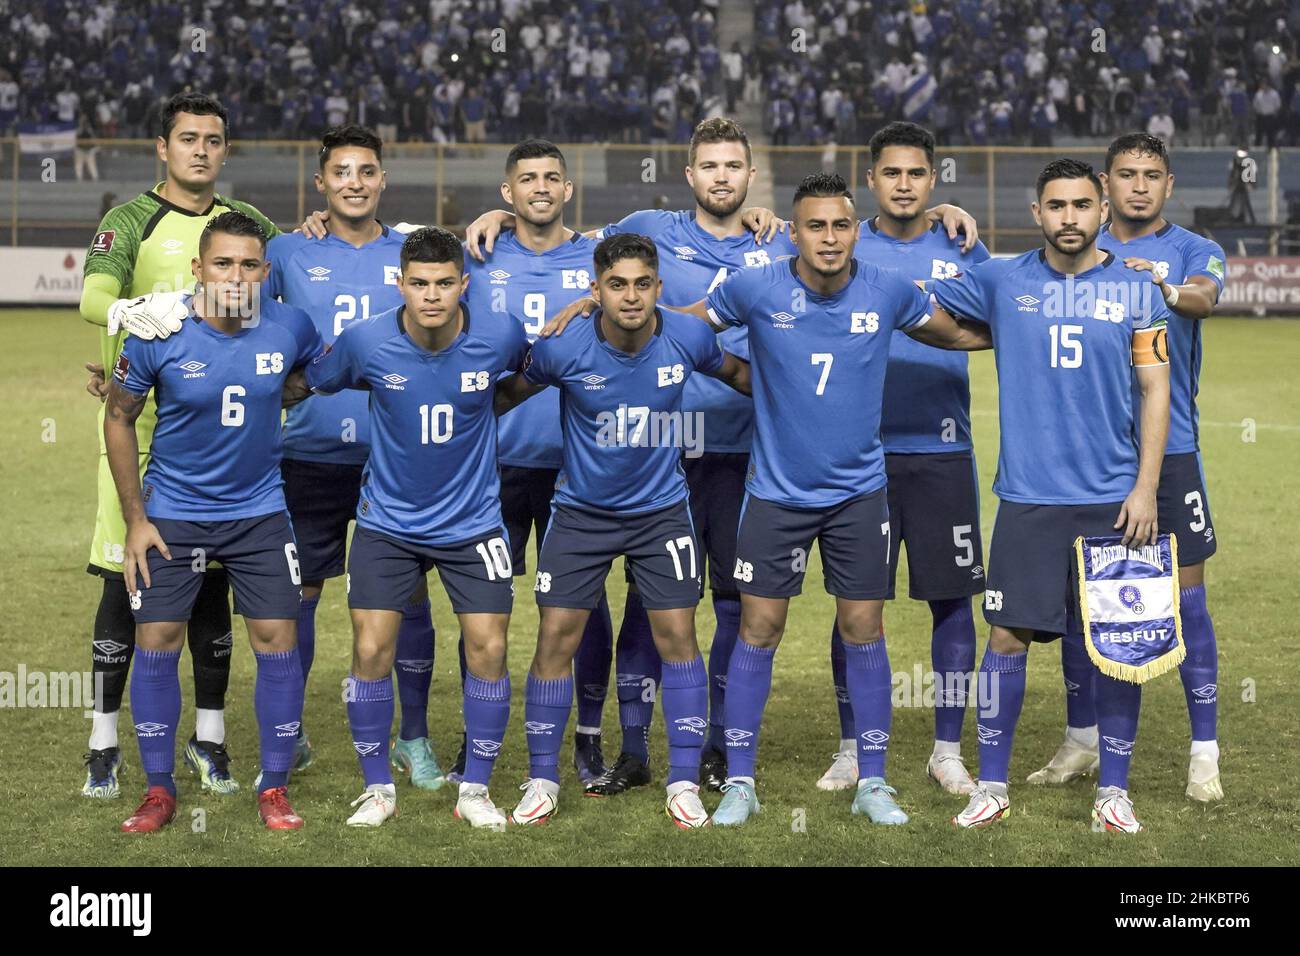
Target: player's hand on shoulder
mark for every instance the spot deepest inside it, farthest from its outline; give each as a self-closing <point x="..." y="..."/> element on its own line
<point x="484" y="230"/>
<point x="314" y="226"/>
<point x="140" y="537"/>
<point x="762" y="222"/>
<point x="955" y="220"/>
<point x="98" y="383"/>
<point x="1139" y="264"/>
<point x="155" y="315"/>
<point x="584" y="307"/>
<point x="1137" y="517"/>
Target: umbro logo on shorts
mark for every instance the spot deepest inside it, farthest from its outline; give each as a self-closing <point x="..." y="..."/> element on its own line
<point x="1071" y="685"/>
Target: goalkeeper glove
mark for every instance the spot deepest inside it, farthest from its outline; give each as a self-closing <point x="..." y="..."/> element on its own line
<point x="153" y="316"/>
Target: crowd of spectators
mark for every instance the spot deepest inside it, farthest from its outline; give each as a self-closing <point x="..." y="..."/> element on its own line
<point x="1195" y="72"/>
<point x="437" y="70"/>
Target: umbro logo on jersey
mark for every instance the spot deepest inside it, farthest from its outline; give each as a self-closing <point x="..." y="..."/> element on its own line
<point x="594" y="382"/>
<point x="783" y="320"/>
<point x="486" y="748"/>
<point x="684" y="252"/>
<point x="416" y="667"/>
<point x="150" y="729"/>
<point x="395" y="382"/>
<point x="1028" y="303"/>
<point x="536" y="727"/>
<point x="499" y="276"/>
<point x="193" y="369"/>
<point x="172" y="246"/>
<point x="1119" y="746"/>
<point x="875" y="737"/>
<point x="365" y="748"/>
<point x="318" y="274"/>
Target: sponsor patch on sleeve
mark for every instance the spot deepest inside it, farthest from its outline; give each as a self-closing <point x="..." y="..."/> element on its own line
<point x="102" y="242"/>
<point x="1215" y="267"/>
<point x="121" y="368"/>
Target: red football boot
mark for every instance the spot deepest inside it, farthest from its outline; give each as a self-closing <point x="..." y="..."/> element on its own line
<point x="158" y="810"/>
<point x="273" y="806"/>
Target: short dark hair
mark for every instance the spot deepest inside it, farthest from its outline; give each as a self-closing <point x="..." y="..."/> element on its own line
<point x="902" y="134"/>
<point x="233" y="223"/>
<point x="198" y="104"/>
<point x="719" y="129"/>
<point x="822" y="184"/>
<point x="625" y="245"/>
<point x="1144" y="144"/>
<point x="336" y="137"/>
<point x="533" y="149"/>
<point x="432" y="244"/>
<point x="1067" y="169"/>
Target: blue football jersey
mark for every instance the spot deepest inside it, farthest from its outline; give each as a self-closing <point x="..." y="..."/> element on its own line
<point x="692" y="264"/>
<point x="624" y="429"/>
<point x="927" y="390"/>
<point x="216" y="450"/>
<point x="818" y="369"/>
<point x="1178" y="255"/>
<point x="432" y="473"/>
<point x="530" y="287"/>
<point x="1063" y="349"/>
<point x="336" y="284"/>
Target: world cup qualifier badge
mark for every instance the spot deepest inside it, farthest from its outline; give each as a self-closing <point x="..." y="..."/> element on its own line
<point x="103" y="242"/>
<point x="120" y="369"/>
<point x="1128" y="602"/>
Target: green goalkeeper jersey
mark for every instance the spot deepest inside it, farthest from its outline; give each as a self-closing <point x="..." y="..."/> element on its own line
<point x="147" y="244"/>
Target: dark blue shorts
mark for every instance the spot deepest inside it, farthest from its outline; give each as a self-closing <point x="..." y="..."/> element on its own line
<point x="774" y="543"/>
<point x="383" y="571"/>
<point x="934" y="506"/>
<point x="322" y="499"/>
<point x="580" y="546"/>
<point x="1184" y="507"/>
<point x="717" y="483"/>
<point x="1032" y="581"/>
<point x="526" y="495"/>
<point x="259" y="556"/>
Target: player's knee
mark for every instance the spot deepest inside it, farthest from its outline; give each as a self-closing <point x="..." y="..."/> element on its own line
<point x="160" y="635"/>
<point x="271" y="636"/>
<point x="1003" y="640"/>
<point x="1191" y="575"/>
<point x="761" y="630"/>
<point x="312" y="590"/>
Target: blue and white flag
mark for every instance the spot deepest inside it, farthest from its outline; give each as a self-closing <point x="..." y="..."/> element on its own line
<point x="919" y="97"/>
<point x="46" y="139"/>
<point x="1128" y="602"/>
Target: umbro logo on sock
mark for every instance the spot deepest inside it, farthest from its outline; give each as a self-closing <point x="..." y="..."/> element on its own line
<point x="486" y="748"/>
<point x="533" y="727"/>
<point x="987" y="734"/>
<point x="365" y="748"/>
<point x="150" y="729"/>
<point x="1206" y="692"/>
<point x="695" y="725"/>
<point x="1119" y="746"/>
<point x="876" y="738"/>
<point x="288" y="730"/>
<point x="415" y="666"/>
<point x="737" y="738"/>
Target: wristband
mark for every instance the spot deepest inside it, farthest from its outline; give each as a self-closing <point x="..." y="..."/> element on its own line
<point x="1171" y="295"/>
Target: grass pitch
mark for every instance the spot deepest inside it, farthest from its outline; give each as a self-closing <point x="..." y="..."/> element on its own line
<point x="1250" y="401"/>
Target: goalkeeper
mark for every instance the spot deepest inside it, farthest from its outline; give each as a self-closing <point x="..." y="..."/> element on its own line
<point x="145" y="246"/>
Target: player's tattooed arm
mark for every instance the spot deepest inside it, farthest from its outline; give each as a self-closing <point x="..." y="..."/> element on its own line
<point x="955" y="220"/>
<point x="1137" y="516"/>
<point x="122" y="408"/>
<point x="513" y="390"/>
<point x="735" y="372"/>
<point x="1194" y="299"/>
<point x="945" y="331"/>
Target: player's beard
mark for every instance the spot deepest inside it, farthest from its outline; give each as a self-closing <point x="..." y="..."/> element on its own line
<point x="1088" y="240"/>
<point x="721" y="209"/>
<point x="821" y="269"/>
<point x="1144" y="216"/>
<point x="527" y="215"/>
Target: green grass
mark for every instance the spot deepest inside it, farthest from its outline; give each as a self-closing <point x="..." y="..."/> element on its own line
<point x="49" y="602"/>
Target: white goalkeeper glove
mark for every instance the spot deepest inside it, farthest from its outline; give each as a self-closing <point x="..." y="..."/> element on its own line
<point x="153" y="316"/>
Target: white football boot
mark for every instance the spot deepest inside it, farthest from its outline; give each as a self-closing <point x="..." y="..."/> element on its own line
<point x="843" y="772"/>
<point x="1203" y="782"/>
<point x="988" y="804"/>
<point x="378" y="802"/>
<point x="540" y="802"/>
<point x="1114" y="810"/>
<point x="474" y="804"/>
<point x="684" y="807"/>
<point x="1071" y="761"/>
<point x="949" y="772"/>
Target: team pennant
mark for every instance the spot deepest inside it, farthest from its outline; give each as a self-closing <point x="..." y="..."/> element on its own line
<point x="1128" y="601"/>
